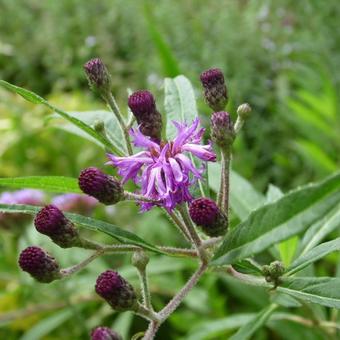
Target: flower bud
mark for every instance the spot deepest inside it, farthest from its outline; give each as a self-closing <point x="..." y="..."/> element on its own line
<point x="215" y="90"/>
<point x="222" y="130"/>
<point x="39" y="264"/>
<point x="273" y="272"/>
<point x="98" y="77"/>
<point x="143" y="106"/>
<point x="106" y="189"/>
<point x="243" y="111"/>
<point x="116" y="291"/>
<point x="206" y="214"/>
<point x="104" y="333"/>
<point x="51" y="221"/>
<point x="140" y="259"/>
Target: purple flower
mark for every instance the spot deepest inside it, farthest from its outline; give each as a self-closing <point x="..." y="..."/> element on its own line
<point x="165" y="171"/>
<point x="81" y="204"/>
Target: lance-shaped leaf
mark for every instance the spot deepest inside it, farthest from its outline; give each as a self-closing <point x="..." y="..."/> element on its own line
<point x="179" y="103"/>
<point x="313" y="255"/>
<point x="45" y="183"/>
<point x="279" y="220"/>
<point x="36" y="99"/>
<point x="321" y="290"/>
<point x="243" y="196"/>
<point x="248" y="329"/>
<point x="117" y="233"/>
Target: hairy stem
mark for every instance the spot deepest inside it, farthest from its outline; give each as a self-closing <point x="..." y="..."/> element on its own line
<point x="238" y="124"/>
<point x="224" y="190"/>
<point x="179" y="224"/>
<point x="192" y="232"/>
<point x="178" y="298"/>
<point x="114" y="108"/>
<point x="145" y="288"/>
<point x="135" y="197"/>
<point x="71" y="270"/>
<point x="151" y="331"/>
<point x="146" y="313"/>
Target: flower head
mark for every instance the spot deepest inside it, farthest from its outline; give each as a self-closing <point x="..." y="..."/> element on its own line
<point x="206" y="214"/>
<point x="116" y="291"/>
<point x="165" y="171"/>
<point x="98" y="76"/>
<point x="106" y="189"/>
<point x="143" y="106"/>
<point x="52" y="222"/>
<point x="222" y="130"/>
<point x="104" y="333"/>
<point x="82" y="204"/>
<point x="215" y="90"/>
<point x="39" y="264"/>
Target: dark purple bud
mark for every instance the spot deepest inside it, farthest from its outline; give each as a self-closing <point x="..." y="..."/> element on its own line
<point x="39" y="264"/>
<point x="104" y="333"/>
<point x="143" y="106"/>
<point x="116" y="291"/>
<point x="206" y="214"/>
<point x="106" y="189"/>
<point x="51" y="221"/>
<point x="222" y="130"/>
<point x="98" y="76"/>
<point x="215" y="90"/>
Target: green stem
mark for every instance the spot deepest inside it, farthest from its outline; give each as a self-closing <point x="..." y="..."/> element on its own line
<point x="115" y="109"/>
<point x="225" y="159"/>
<point x="192" y="232"/>
<point x="145" y="288"/>
<point x="179" y="224"/>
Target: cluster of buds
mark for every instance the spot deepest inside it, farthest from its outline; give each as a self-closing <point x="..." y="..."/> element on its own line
<point x="273" y="272"/>
<point x="206" y="214"/>
<point x="143" y="106"/>
<point x="165" y="172"/>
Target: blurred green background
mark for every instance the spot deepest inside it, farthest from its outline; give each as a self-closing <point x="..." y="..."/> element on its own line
<point x="281" y="56"/>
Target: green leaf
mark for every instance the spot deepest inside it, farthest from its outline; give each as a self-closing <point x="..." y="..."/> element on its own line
<point x="313" y="255"/>
<point x="208" y="329"/>
<point x="45" y="183"/>
<point x="117" y="233"/>
<point x="28" y="95"/>
<point x="112" y="128"/>
<point x="47" y="325"/>
<point x="243" y="197"/>
<point x="180" y="106"/>
<point x="321" y="290"/>
<point x="34" y="98"/>
<point x="319" y="230"/>
<point x="278" y="221"/>
<point x="179" y="103"/>
<point x="248" y="329"/>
